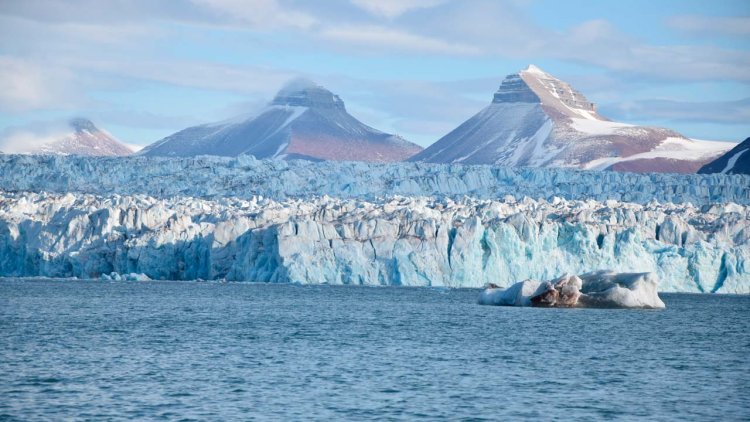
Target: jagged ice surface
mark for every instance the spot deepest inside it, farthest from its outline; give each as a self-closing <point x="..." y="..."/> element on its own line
<point x="414" y="241"/>
<point x="244" y="177"/>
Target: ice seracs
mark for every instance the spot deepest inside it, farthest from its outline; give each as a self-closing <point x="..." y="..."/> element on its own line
<point x="304" y="120"/>
<point x="245" y="177"/>
<point x="538" y="120"/>
<point x="406" y="241"/>
<point x="300" y="221"/>
<point x="599" y="289"/>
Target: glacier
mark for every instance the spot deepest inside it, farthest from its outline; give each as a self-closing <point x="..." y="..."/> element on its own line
<point x="244" y="177"/>
<point x="394" y="240"/>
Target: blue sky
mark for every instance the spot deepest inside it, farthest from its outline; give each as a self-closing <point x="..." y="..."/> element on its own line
<point x="143" y="69"/>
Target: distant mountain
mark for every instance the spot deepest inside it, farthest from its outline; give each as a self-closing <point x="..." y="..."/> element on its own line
<point x="736" y="161"/>
<point x="304" y="120"/>
<point x="537" y="120"/>
<point x="84" y="138"/>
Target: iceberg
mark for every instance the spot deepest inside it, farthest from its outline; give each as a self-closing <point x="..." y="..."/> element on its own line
<point x="114" y="276"/>
<point x="599" y="289"/>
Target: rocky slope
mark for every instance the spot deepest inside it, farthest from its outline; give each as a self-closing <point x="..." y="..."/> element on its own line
<point x="735" y="161"/>
<point x="538" y="120"/>
<point x="305" y="121"/>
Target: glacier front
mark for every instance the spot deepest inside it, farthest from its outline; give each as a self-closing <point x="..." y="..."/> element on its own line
<point x="397" y="240"/>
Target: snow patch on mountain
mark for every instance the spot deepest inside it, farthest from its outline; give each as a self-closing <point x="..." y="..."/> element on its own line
<point x="733" y="160"/>
<point x="736" y="161"/>
<point x="672" y="148"/>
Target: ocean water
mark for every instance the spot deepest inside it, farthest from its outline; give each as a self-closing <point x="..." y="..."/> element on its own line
<point x="213" y="351"/>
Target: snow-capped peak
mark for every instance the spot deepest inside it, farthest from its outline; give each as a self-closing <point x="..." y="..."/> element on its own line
<point x="534" y="69"/>
<point x="304" y="120"/>
<point x="558" y="94"/>
<point x="536" y="119"/>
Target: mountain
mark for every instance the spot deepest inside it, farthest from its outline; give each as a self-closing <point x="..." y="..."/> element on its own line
<point x="304" y="120"/>
<point x="86" y="139"/>
<point x="736" y="161"/>
<point x="537" y="120"/>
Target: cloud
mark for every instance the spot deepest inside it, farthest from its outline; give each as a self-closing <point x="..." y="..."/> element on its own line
<point x="191" y="73"/>
<point x="494" y="27"/>
<point x="393" y="8"/>
<point x="721" y="112"/>
<point x="482" y="28"/>
<point x="421" y="111"/>
<point x="259" y="14"/>
<point x="140" y="119"/>
<point x="24" y="139"/>
<point x="394" y="39"/>
<point x="100" y="55"/>
<point x="25" y="86"/>
<point x="601" y="44"/>
<point x="738" y="26"/>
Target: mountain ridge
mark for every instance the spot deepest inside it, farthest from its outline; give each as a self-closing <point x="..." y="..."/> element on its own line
<point x="304" y="120"/>
<point x="538" y="120"/>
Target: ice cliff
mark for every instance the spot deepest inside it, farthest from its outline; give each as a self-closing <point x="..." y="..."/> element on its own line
<point x="415" y="241"/>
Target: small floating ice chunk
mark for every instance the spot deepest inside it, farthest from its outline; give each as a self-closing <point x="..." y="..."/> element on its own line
<point x="519" y="294"/>
<point x="114" y="276"/>
<point x="599" y="289"/>
<point x="606" y="289"/>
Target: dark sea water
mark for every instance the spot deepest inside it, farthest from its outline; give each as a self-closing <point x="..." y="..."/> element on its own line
<point x="209" y="351"/>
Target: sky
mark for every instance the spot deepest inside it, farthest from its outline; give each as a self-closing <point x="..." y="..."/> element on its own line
<point x="143" y="70"/>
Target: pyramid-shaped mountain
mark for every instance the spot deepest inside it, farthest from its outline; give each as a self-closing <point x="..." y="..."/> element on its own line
<point x="304" y="121"/>
<point x="537" y="120"/>
<point x="84" y="138"/>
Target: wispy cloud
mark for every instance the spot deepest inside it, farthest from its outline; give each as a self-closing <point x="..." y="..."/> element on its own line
<point x="23" y="139"/>
<point x="25" y="85"/>
<point x="95" y="56"/>
<point x="394" y="40"/>
<point x="712" y="25"/>
<point x="724" y="112"/>
<point x="259" y="14"/>
<point x="600" y="43"/>
<point x="393" y="8"/>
